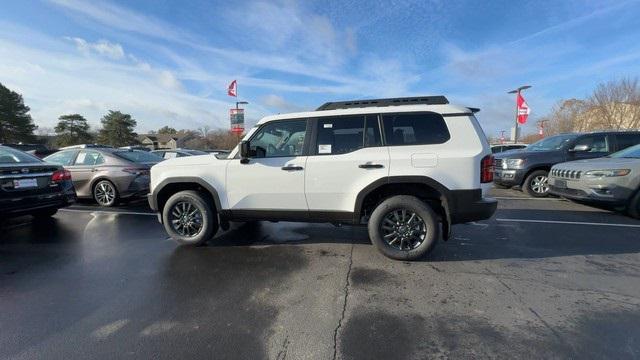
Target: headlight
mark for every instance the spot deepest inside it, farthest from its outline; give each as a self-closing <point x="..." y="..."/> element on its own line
<point x="607" y="173"/>
<point x="512" y="163"/>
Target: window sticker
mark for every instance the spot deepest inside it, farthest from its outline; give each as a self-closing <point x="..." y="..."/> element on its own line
<point x="328" y="126"/>
<point x="324" y="149"/>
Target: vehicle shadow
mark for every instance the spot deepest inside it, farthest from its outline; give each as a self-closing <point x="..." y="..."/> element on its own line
<point x="507" y="237"/>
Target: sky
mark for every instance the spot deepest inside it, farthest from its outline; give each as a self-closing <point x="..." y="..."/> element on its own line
<point x="169" y="62"/>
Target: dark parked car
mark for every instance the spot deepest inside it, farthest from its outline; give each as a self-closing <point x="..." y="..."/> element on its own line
<point x="529" y="168"/>
<point x="30" y="186"/>
<point x="105" y="174"/>
<point x="38" y="150"/>
<point x="506" y="147"/>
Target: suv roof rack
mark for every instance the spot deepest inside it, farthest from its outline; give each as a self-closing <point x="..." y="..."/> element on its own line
<point x="422" y="100"/>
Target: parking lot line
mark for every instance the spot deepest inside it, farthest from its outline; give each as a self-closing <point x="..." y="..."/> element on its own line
<point x="109" y="212"/>
<point x="525" y="198"/>
<point x="568" y="222"/>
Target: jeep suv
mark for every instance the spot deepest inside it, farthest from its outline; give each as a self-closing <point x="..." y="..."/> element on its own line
<point x="407" y="167"/>
<point x="529" y="168"/>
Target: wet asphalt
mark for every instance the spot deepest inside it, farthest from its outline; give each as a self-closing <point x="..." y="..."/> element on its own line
<point x="529" y="283"/>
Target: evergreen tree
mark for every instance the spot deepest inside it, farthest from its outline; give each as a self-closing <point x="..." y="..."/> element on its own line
<point x="117" y="129"/>
<point x="72" y="129"/>
<point x="16" y="124"/>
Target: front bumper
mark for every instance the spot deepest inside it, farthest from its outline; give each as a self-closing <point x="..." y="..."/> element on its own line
<point x="590" y="191"/>
<point x="509" y="177"/>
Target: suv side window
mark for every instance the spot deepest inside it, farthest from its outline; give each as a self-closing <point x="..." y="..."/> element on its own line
<point x="415" y="129"/>
<point x="597" y="143"/>
<point x="626" y="140"/>
<point x="279" y="138"/>
<point x="64" y="158"/>
<point x="345" y="134"/>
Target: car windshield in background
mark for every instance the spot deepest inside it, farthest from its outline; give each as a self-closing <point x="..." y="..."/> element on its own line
<point x="196" y="152"/>
<point x="11" y="156"/>
<point x="551" y="143"/>
<point x="628" y="153"/>
<point x="138" y="156"/>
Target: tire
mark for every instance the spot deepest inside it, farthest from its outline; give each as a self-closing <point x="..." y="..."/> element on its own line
<point x="537" y="184"/>
<point x="105" y="193"/>
<point x="189" y="230"/>
<point x="44" y="214"/>
<point x="634" y="206"/>
<point x="404" y="208"/>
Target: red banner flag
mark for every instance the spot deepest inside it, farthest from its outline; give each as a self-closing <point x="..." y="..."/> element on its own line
<point x="523" y="109"/>
<point x="233" y="89"/>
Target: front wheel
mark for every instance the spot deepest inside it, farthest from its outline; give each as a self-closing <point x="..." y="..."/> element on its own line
<point x="404" y="228"/>
<point x="634" y="206"/>
<point x="537" y="184"/>
<point x="189" y="218"/>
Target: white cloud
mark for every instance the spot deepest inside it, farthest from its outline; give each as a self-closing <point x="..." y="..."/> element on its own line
<point x="101" y="47"/>
<point x="281" y="105"/>
<point x="91" y="86"/>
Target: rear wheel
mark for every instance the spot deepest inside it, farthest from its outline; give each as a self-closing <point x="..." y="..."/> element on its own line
<point x="404" y="228"/>
<point x="634" y="206"/>
<point x="105" y="193"/>
<point x="189" y="218"/>
<point x="537" y="183"/>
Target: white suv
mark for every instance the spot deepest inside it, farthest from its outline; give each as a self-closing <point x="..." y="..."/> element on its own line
<point x="404" y="166"/>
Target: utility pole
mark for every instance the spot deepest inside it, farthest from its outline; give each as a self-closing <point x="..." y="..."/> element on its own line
<point x="540" y="124"/>
<point x="517" y="92"/>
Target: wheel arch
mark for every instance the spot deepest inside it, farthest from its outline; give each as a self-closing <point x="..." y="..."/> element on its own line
<point x="422" y="187"/>
<point x="167" y="187"/>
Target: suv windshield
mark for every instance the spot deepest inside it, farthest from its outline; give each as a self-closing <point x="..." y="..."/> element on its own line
<point x="11" y="156"/>
<point x="138" y="156"/>
<point x="551" y="143"/>
<point x="630" y="153"/>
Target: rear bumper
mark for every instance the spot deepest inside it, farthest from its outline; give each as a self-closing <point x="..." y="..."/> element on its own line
<point x="28" y="204"/>
<point x="469" y="205"/>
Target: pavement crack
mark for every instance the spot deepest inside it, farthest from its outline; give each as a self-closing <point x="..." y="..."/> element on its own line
<point x="344" y="304"/>
<point x="435" y="268"/>
<point x="282" y="354"/>
<point x="531" y="310"/>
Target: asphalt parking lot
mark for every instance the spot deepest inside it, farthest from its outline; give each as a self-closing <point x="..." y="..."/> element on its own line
<point x="542" y="279"/>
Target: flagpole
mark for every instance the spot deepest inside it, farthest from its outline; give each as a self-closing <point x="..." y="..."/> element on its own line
<point x="517" y="92"/>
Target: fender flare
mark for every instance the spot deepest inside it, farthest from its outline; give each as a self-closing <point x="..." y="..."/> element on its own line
<point x="153" y="196"/>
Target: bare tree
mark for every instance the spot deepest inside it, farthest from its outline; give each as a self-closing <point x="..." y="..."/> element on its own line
<point x="616" y="105"/>
<point x="565" y="117"/>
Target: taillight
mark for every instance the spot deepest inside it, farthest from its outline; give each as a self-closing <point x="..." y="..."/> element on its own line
<point x="486" y="169"/>
<point x="60" y="175"/>
<point x="136" y="171"/>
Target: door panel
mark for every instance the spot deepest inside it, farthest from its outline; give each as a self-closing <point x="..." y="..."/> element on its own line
<point x="273" y="178"/>
<point x="262" y="184"/>
<point x="346" y="157"/>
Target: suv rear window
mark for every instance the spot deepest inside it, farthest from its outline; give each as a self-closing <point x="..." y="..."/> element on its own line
<point x="415" y="129"/>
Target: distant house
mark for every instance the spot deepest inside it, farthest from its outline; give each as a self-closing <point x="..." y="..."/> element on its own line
<point x="164" y="141"/>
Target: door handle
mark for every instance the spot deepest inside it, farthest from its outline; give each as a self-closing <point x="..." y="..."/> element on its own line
<point x="291" y="168"/>
<point x="370" y="166"/>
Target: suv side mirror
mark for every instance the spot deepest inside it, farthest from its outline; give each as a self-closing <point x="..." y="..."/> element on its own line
<point x="581" y="148"/>
<point x="245" y="150"/>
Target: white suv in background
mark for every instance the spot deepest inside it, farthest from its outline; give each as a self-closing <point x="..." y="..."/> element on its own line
<point x="407" y="167"/>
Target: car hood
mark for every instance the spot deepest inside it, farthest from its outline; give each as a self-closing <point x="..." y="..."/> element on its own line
<point x="600" y="164"/>
<point x="524" y="154"/>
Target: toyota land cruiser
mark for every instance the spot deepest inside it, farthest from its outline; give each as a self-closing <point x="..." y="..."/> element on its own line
<point x="409" y="168"/>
